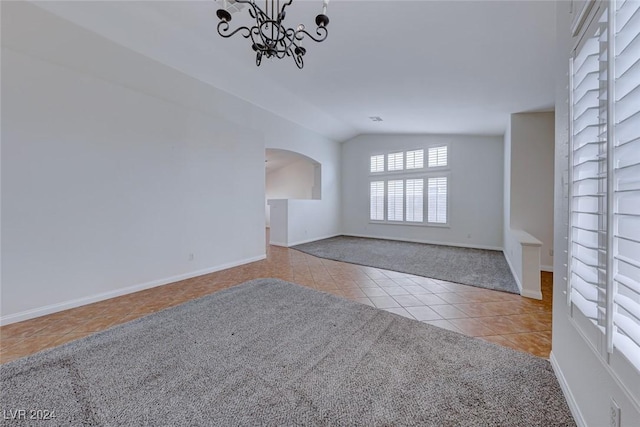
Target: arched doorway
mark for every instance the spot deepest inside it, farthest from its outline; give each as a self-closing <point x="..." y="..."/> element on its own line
<point x="290" y="175"/>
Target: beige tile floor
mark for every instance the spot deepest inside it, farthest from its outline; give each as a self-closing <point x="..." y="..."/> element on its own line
<point x="506" y="319"/>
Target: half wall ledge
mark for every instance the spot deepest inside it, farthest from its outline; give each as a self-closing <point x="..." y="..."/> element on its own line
<point x="524" y="261"/>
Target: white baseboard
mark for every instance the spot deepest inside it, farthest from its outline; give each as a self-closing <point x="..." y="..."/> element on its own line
<point x="284" y="245"/>
<point x="515" y="275"/>
<point x="547" y="268"/>
<point x="531" y="294"/>
<point x="300" y="242"/>
<point x="53" y="308"/>
<point x="571" y="401"/>
<point x="428" y="242"/>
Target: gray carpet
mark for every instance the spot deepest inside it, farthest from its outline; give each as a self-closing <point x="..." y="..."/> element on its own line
<point x="269" y="352"/>
<point x="476" y="267"/>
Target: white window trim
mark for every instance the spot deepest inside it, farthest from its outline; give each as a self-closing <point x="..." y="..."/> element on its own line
<point x="424" y="173"/>
<point x="425" y="176"/>
<point x="599" y="338"/>
<point x="436" y="168"/>
<point x="384" y="164"/>
<point x="424" y="169"/>
<point x="426" y="211"/>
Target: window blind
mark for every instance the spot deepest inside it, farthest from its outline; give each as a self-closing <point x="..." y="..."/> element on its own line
<point x="404" y="191"/>
<point x="395" y="200"/>
<point x="415" y="159"/>
<point x="395" y="161"/>
<point x="377" y="163"/>
<point x="415" y="200"/>
<point x="588" y="164"/>
<point x="626" y="182"/>
<point x="437" y="156"/>
<point x="377" y="201"/>
<point x="437" y="200"/>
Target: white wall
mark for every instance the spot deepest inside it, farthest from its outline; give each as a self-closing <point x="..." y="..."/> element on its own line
<point x="522" y="252"/>
<point x="279" y="234"/>
<point x="323" y="220"/>
<point x="293" y="181"/>
<point x="510" y="244"/>
<point x="476" y="188"/>
<point x="115" y="169"/>
<point x="588" y="382"/>
<point x="507" y="177"/>
<point x="290" y="223"/>
<point x="531" y="179"/>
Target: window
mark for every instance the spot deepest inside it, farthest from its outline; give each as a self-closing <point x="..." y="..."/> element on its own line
<point x="395" y="161"/>
<point x="437" y="200"/>
<point x="377" y="163"/>
<point x="588" y="239"/>
<point x="398" y="194"/>
<point x="625" y="176"/>
<point x="438" y="156"/>
<point x="415" y="159"/>
<point x="604" y="185"/>
<point x="415" y="200"/>
<point x="395" y="200"/>
<point x="377" y="201"/>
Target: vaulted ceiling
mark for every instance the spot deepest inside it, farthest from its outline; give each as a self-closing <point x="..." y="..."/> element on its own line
<point x="423" y="66"/>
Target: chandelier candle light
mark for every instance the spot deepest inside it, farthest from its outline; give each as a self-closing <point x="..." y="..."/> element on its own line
<point x="269" y="36"/>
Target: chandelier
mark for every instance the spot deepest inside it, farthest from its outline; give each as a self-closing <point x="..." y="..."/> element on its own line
<point x="269" y="37"/>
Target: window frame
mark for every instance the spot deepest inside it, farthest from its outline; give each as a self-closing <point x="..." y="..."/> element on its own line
<point x="388" y="162"/>
<point x="424" y="173"/>
<point x="599" y="334"/>
<point x="447" y="176"/>
<point x="438" y="167"/>
<point x="384" y="163"/>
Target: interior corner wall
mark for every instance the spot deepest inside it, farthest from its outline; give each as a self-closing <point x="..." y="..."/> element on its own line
<point x="530" y="181"/>
<point x="476" y="189"/>
<point x="511" y="245"/>
<point x="322" y="216"/>
<point x="293" y="181"/>
<point x="507" y="180"/>
<point x="586" y="380"/>
<point x="119" y="173"/>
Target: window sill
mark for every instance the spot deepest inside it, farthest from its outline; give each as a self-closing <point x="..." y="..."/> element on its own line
<point x="417" y="171"/>
<point x="411" y="224"/>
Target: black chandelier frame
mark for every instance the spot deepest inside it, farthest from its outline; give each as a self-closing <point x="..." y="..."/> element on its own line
<point x="269" y="37"/>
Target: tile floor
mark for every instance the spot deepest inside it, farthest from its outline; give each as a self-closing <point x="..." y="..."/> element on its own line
<point x="506" y="319"/>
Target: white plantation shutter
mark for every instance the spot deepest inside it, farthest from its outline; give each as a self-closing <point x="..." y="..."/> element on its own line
<point x="415" y="159"/>
<point x="626" y="182"/>
<point x="604" y="187"/>
<point x="437" y="156"/>
<point x="415" y="200"/>
<point x="395" y="200"/>
<point x="588" y="163"/>
<point x="376" y="210"/>
<point x="377" y="163"/>
<point x="437" y="200"/>
<point x="395" y="161"/>
<point x="404" y="187"/>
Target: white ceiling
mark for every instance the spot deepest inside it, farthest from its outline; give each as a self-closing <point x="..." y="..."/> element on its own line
<point x="423" y="66"/>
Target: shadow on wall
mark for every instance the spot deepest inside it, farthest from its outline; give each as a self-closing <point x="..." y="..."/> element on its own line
<point x="291" y="175"/>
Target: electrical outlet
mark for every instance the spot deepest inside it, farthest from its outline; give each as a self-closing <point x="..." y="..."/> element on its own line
<point x="614" y="414"/>
<point x="550" y="252"/>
